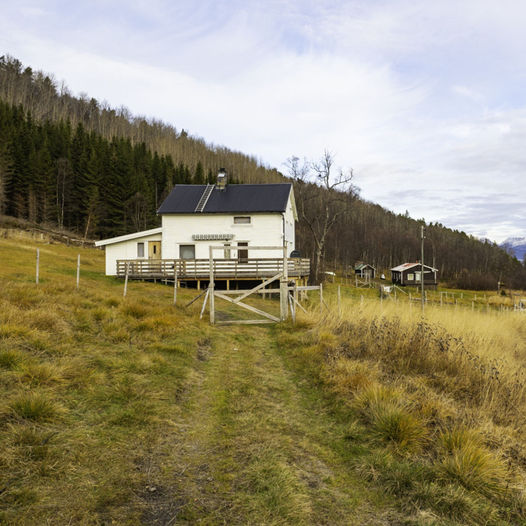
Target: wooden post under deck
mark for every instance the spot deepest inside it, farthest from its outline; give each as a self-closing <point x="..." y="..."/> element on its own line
<point x="211" y="288"/>
<point x="284" y="307"/>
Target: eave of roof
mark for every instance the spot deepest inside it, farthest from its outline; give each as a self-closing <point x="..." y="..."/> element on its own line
<point x="406" y="266"/>
<point x="361" y="266"/>
<point x="128" y="237"/>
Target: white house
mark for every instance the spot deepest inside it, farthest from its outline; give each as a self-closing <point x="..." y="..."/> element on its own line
<point x="197" y="216"/>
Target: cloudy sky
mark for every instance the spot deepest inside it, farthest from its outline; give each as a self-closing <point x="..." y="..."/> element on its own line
<point x="425" y="100"/>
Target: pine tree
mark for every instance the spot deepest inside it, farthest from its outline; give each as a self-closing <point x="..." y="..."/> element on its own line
<point x="199" y="177"/>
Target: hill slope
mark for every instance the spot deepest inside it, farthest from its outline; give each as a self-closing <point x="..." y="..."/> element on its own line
<point x="134" y="411"/>
<point x="103" y="172"/>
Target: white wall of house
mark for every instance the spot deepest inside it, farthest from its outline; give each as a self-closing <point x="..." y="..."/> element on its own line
<point x="264" y="229"/>
<point x="127" y="250"/>
<point x="290" y="227"/>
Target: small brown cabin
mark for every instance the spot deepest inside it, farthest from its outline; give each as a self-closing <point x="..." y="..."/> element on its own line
<point x="364" y="270"/>
<point x="409" y="274"/>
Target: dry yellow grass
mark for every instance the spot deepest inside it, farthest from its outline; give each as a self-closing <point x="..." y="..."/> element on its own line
<point x="416" y="379"/>
<point x="130" y="411"/>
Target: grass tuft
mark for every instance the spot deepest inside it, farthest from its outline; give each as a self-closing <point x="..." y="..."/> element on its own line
<point x="40" y="374"/>
<point x="135" y="310"/>
<point x="394" y="424"/>
<point x="470" y="464"/>
<point x="34" y="406"/>
<point x="10" y="359"/>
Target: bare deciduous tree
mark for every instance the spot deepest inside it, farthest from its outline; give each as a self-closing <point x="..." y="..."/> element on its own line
<point x="321" y="210"/>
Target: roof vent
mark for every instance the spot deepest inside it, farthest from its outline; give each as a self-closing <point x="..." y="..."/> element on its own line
<point x="221" y="179"/>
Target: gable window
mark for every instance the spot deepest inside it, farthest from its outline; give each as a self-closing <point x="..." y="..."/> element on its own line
<point x="140" y="250"/>
<point x="242" y="220"/>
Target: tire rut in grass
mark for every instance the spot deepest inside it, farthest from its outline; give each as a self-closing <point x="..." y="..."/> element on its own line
<point x="249" y="448"/>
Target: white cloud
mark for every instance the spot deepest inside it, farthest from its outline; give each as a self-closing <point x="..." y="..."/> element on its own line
<point x="424" y="100"/>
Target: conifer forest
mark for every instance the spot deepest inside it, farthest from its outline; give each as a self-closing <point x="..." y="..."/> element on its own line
<point x="79" y="164"/>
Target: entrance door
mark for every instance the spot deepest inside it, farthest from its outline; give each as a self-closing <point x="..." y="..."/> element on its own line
<point x="242" y="255"/>
<point x="154" y="249"/>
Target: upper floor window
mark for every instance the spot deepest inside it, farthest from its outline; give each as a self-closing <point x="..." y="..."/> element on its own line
<point x="242" y="220"/>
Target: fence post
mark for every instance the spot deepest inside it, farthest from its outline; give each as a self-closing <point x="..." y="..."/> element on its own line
<point x="283" y="288"/>
<point x="78" y="271"/>
<point x="292" y="309"/>
<point x="175" y="282"/>
<point x="125" y="282"/>
<point x="211" y="287"/>
<point x="38" y="262"/>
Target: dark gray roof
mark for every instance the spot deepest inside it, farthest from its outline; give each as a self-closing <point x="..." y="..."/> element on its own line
<point x="235" y="198"/>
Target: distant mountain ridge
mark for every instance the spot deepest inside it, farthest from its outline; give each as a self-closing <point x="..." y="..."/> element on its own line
<point x="516" y="246"/>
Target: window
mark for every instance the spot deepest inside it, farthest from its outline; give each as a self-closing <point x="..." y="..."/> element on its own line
<point x="242" y="255"/>
<point x="140" y="250"/>
<point x="410" y="277"/>
<point x="242" y="220"/>
<point x="227" y="250"/>
<point x="187" y="251"/>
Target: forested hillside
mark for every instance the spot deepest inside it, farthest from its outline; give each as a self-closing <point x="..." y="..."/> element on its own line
<point x="101" y="171"/>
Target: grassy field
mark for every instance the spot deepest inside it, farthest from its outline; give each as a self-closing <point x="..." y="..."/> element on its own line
<point x="132" y="411"/>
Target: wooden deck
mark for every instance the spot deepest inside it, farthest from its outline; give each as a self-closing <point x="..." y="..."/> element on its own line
<point x="199" y="269"/>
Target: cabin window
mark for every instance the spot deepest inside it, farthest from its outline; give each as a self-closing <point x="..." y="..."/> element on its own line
<point x="410" y="277"/>
<point x="242" y="255"/>
<point x="417" y="276"/>
<point x="227" y="250"/>
<point x="242" y="220"/>
<point x="187" y="251"/>
<point x="140" y="250"/>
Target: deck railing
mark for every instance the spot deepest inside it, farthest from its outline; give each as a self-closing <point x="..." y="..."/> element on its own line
<point x="190" y="269"/>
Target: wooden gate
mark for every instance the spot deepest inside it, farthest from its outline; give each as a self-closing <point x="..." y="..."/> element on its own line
<point x="235" y="297"/>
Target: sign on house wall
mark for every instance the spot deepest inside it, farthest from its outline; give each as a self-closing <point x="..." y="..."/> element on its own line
<point x="211" y="237"/>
